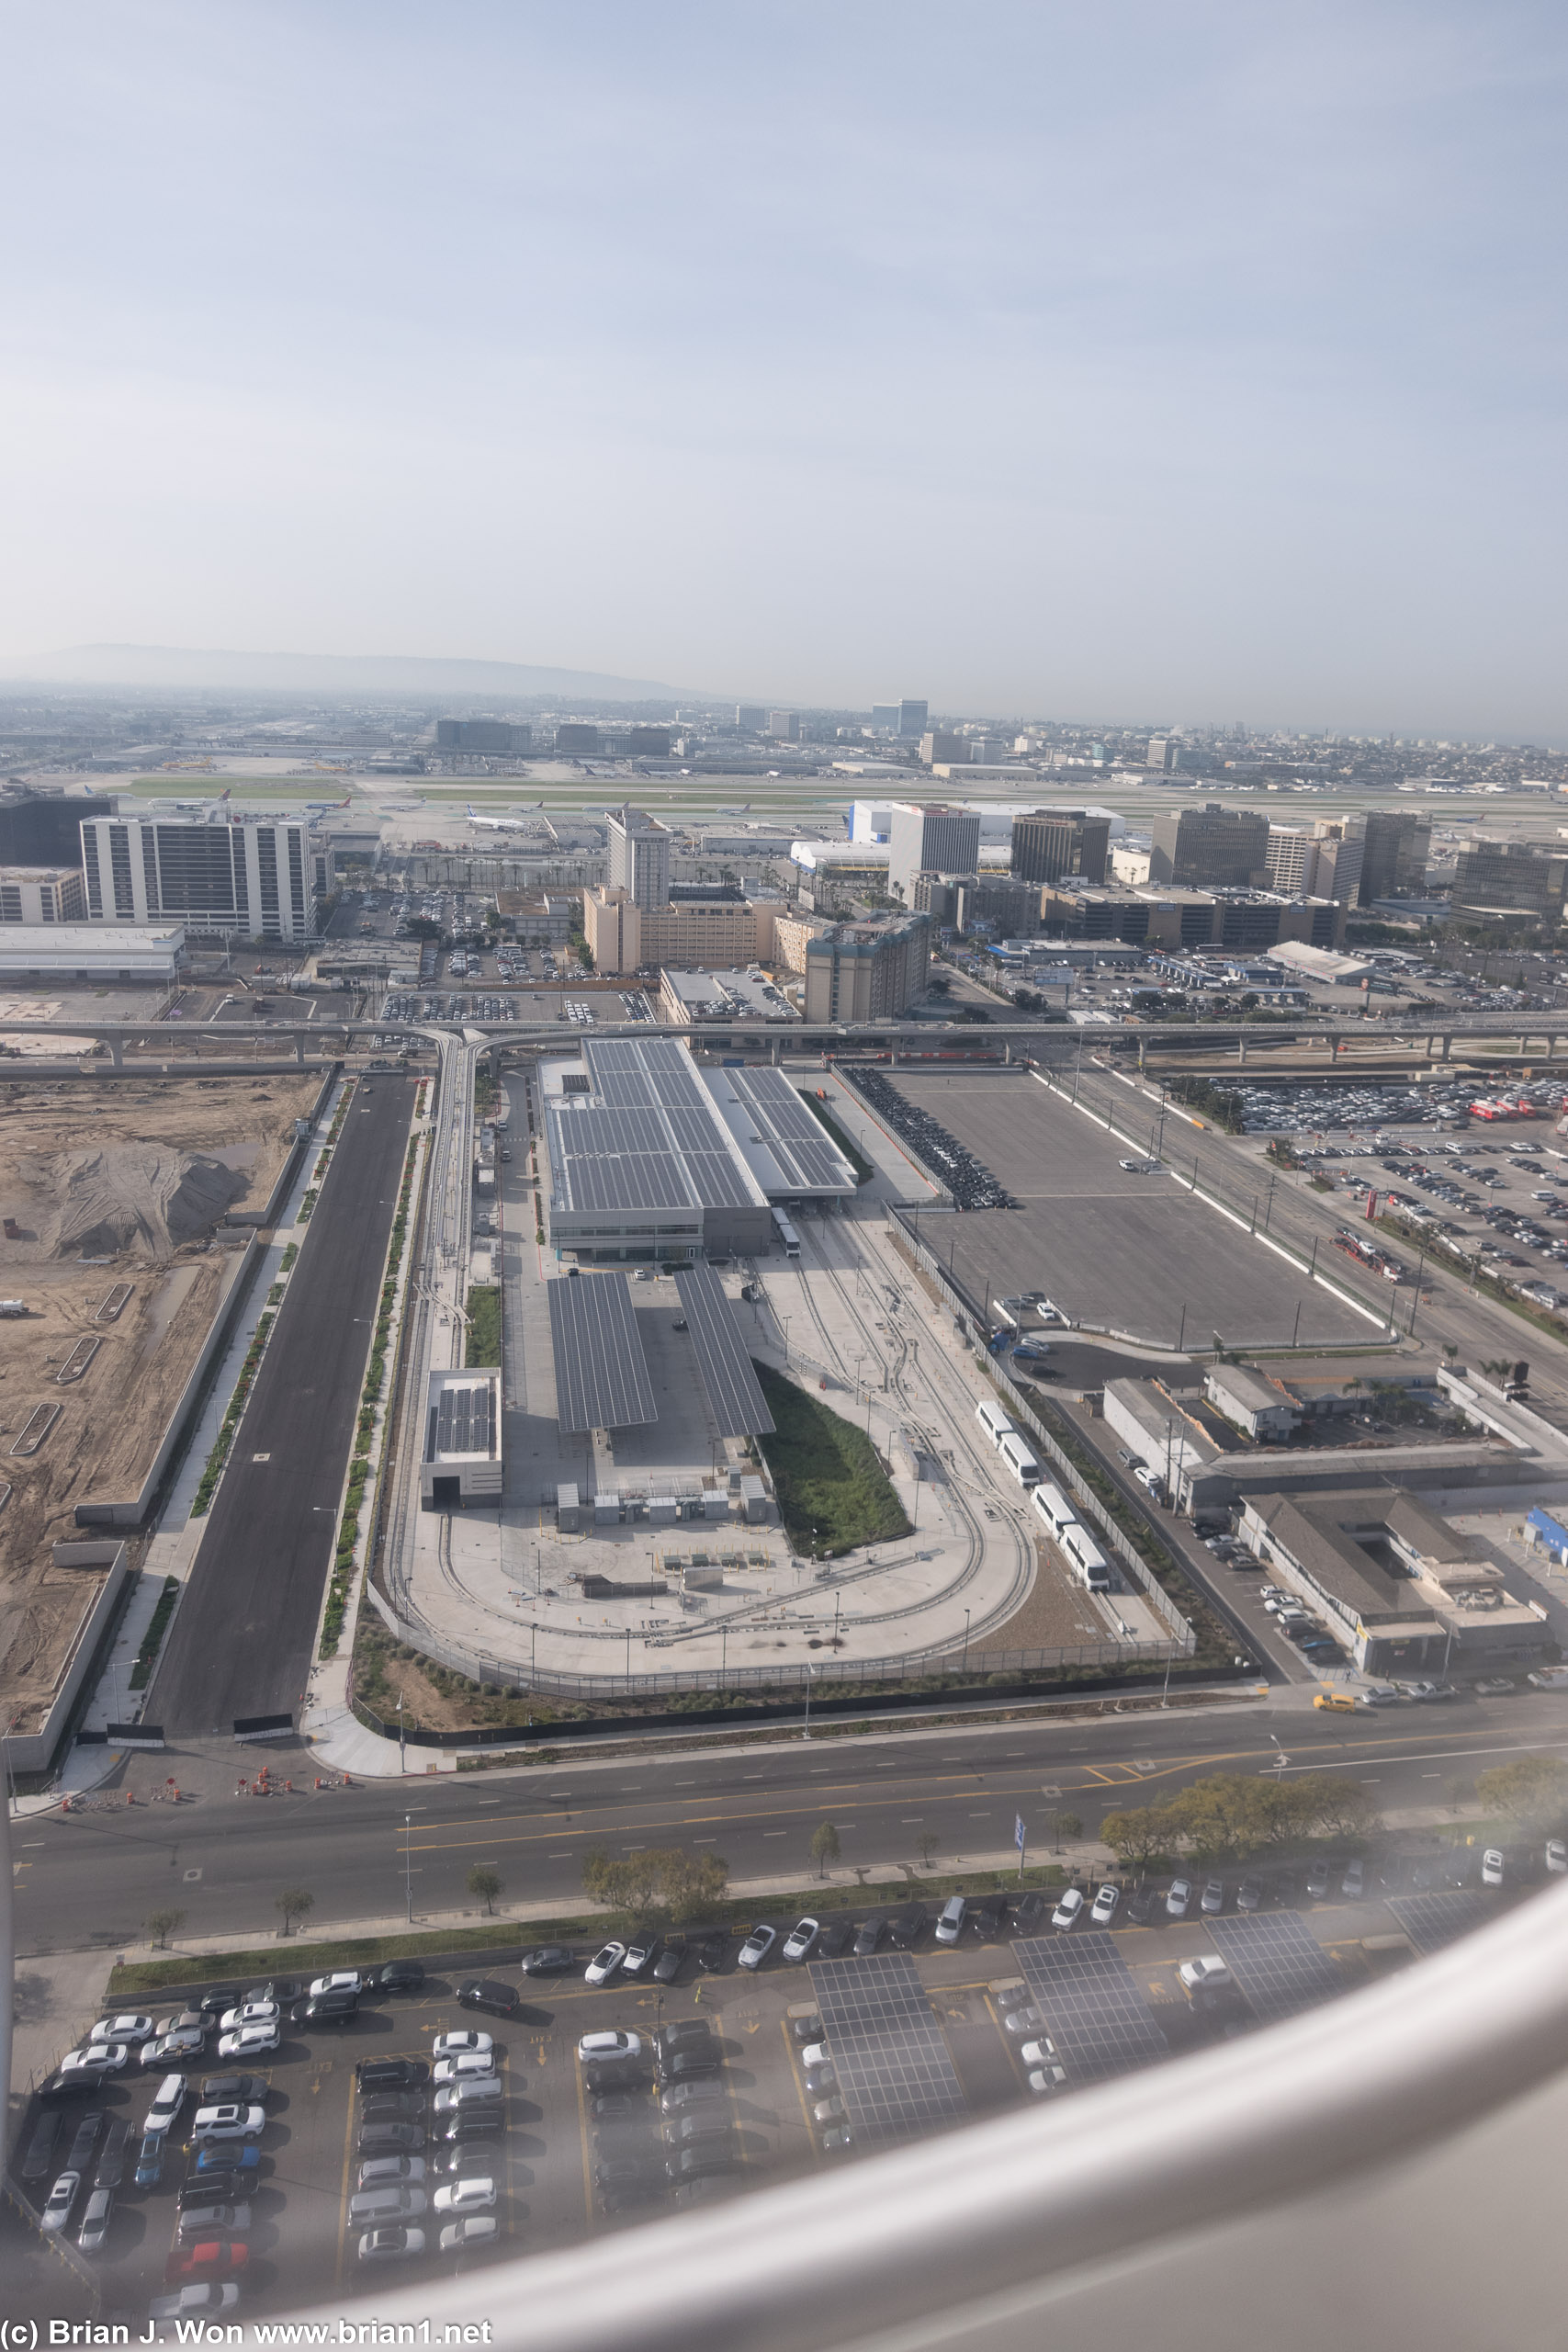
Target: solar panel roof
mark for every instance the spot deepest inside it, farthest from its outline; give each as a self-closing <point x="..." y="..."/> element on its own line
<point x="1281" y="1968"/>
<point x="636" y="1179"/>
<point x="783" y="1123"/>
<point x="1094" y="2010"/>
<point x="1433" y="1920"/>
<point x="601" y="1379"/>
<point x="733" y="1391"/>
<point x="464" y="1419"/>
<point x="892" y="2066"/>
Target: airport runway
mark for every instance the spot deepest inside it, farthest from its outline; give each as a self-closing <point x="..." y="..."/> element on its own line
<point x="244" y="1636"/>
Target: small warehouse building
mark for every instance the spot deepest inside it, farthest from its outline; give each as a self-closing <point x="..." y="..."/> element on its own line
<point x="92" y="951"/>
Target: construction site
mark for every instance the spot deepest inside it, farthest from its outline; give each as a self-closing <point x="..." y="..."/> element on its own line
<point x="126" y="1224"/>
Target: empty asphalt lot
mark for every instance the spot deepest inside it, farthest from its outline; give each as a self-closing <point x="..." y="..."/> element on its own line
<point x="244" y="1634"/>
<point x="1138" y="1254"/>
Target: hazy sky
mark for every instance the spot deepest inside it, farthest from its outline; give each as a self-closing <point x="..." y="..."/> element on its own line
<point x="1140" y="360"/>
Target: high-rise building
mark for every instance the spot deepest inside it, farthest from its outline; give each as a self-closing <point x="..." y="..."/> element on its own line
<point x="1496" y="881"/>
<point x="41" y="829"/>
<point x="1290" y="856"/>
<point x="937" y="745"/>
<point x="783" y="726"/>
<point x="1050" y="843"/>
<point x="927" y="839"/>
<point x="1210" y="844"/>
<point x="750" y="717"/>
<point x="1393" y="861"/>
<point x="255" y="877"/>
<point x="1340" y="850"/>
<point x="576" y="736"/>
<point x="482" y="735"/>
<point x="866" y="971"/>
<point x="884" y="718"/>
<point x="43" y="893"/>
<point x="639" y="856"/>
<point x="912" y="719"/>
<point x="1163" y="752"/>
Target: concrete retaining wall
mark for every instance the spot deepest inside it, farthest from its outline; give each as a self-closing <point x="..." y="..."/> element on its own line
<point x="33" y="1751"/>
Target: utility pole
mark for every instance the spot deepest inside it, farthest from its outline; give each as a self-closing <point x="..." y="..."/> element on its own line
<point x="810" y="1676"/>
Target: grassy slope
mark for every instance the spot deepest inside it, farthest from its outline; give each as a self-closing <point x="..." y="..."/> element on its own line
<point x="826" y="1474"/>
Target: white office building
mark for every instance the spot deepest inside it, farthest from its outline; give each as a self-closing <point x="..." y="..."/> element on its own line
<point x="253" y="879"/>
<point x="639" y="857"/>
<point x="926" y="839"/>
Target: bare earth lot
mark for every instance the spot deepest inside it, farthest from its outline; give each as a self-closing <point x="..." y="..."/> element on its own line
<point x="1133" y="1254"/>
<point x="136" y="1182"/>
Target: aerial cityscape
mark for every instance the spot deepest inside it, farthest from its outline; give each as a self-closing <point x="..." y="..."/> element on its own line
<point x="917" y="1223"/>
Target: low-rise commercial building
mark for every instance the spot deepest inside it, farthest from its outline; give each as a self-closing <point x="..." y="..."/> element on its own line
<point x="1403" y="1590"/>
<point x="721" y="996"/>
<point x="1262" y="1407"/>
<point x="43" y="893"/>
<point x="461" y="1461"/>
<point x="92" y="951"/>
<point x="709" y="927"/>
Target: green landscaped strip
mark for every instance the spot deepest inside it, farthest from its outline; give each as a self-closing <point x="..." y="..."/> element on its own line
<point x="484" y="1324"/>
<point x="231" y="1421"/>
<point x="834" y="1493"/>
<point x="152" y="1639"/>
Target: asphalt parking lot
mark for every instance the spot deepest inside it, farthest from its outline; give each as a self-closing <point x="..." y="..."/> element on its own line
<point x="1132" y="1253"/>
<point x="571" y="2158"/>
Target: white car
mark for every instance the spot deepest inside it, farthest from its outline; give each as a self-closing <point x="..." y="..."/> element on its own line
<point x="123" y="2029"/>
<point x="1105" y="1904"/>
<point x="195" y="2301"/>
<point x="603" y="1965"/>
<point x="475" y="2090"/>
<point x="249" y="2013"/>
<point x="168" y="2101"/>
<point x="1209" y="1970"/>
<point x="96" y="2058"/>
<point x="57" y="2205"/>
<point x="345" y="1980"/>
<point x="1038" y="2053"/>
<point x="1023" y="2020"/>
<point x="251" y="2041"/>
<point x="459" y="2045"/>
<point x="1556" y="1857"/>
<point x="1178" y="1901"/>
<point x="756" y="1947"/>
<point x="476" y="2195"/>
<point x="815" y="2053"/>
<point x="476" y="2229"/>
<point x="801" y="1938"/>
<point x="229" y="2121"/>
<point x="389" y="2171"/>
<point x="609" y="2045"/>
<point x="469" y="2065"/>
<point x="1067" y="1911"/>
<point x="1491" y="1867"/>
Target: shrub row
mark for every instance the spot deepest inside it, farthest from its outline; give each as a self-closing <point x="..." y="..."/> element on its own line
<point x="231" y="1421"/>
<point x="152" y="1639"/>
<point x="359" y="1465"/>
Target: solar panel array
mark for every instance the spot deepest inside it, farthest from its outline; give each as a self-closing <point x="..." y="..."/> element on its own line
<point x="1433" y="1920"/>
<point x="648" y="1139"/>
<point x="805" y="1157"/>
<point x="1094" y="2011"/>
<point x="1281" y="1968"/>
<point x="733" y="1390"/>
<point x="890" y="2062"/>
<point x="601" y="1379"/>
<point x="464" y="1419"/>
<point x="663" y="1070"/>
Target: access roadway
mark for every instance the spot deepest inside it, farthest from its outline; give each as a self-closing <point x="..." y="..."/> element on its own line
<point x="93" y="1878"/>
<point x="245" y="1631"/>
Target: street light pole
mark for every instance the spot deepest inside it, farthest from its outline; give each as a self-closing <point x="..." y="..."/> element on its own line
<point x="811" y="1674"/>
<point x="408" y="1866"/>
<point x="965" y="1667"/>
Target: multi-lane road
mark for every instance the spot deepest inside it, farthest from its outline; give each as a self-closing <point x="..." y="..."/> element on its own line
<point x="94" y="1877"/>
<point x="246" y="1633"/>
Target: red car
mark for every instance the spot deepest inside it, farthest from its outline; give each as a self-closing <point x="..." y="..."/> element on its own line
<point x="211" y="2258"/>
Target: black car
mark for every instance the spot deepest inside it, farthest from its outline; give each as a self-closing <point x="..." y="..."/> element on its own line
<point x="398" y="1976"/>
<point x="216" y="2188"/>
<point x="239" y="2090"/>
<point x="219" y="1997"/>
<point x="870" y="1934"/>
<point x="989" y="1917"/>
<point x="327" y="2008"/>
<point x="1030" y="1916"/>
<point x="714" y="1952"/>
<point x="40" y="2147"/>
<point x="486" y="1992"/>
<point x="908" y="1927"/>
<point x="390" y="2139"/>
<point x="111" y="2161"/>
<point x="695" y="2164"/>
<point x="615" y="2107"/>
<point x="671" y="1961"/>
<point x="835" y="1938"/>
<point x="549" y="1960"/>
<point x="628" y="2171"/>
<point x="1141" y="1906"/>
<point x="86" y="2140"/>
<point x="680" y="2033"/>
<point x="690" y="2062"/>
<point x="466" y="2123"/>
<point x="391" y="2074"/>
<point x="612" y="2074"/>
<point x="61" y="2088"/>
<point x="392" y="2107"/>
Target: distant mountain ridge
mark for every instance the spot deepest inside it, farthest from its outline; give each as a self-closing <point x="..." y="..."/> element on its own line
<point x="159" y="667"/>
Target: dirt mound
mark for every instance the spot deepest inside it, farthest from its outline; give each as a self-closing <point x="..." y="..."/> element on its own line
<point x="130" y="1196"/>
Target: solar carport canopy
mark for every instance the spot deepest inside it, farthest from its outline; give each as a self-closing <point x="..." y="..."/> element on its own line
<point x="601" y="1379"/>
<point x="733" y="1391"/>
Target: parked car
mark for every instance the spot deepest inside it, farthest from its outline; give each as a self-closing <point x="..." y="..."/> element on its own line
<point x="97" y="2215"/>
<point x="1354" y="1882"/>
<point x="1179" y="1898"/>
<point x="465" y="2043"/>
<point x="869" y="1935"/>
<point x="1068" y="1909"/>
<point x="1249" y="1895"/>
<point x="1491" y="1867"/>
<point x="1214" y="1897"/>
<point x="604" y="1962"/>
<point x="802" y="1937"/>
<point x="200" y="2302"/>
<point x="548" y="1960"/>
<point x="609" y="2044"/>
<point x="1141" y="1904"/>
<point x="486" y="1992"/>
<point x="474" y="2194"/>
<point x="1556" y="1857"/>
<point x="395" y="2245"/>
<point x="474" y="2229"/>
<point x="756" y="1947"/>
<point x="393" y="2074"/>
<point x="398" y="1976"/>
<point x="642" y="1948"/>
<point x="56" y="2213"/>
<point x="1105" y="1903"/>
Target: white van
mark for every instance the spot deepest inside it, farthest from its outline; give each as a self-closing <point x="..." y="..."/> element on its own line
<point x="994" y="1421"/>
<point x="950" y="1927"/>
<point x="1019" y="1459"/>
<point x="1055" y="1509"/>
<point x="1088" y="1561"/>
